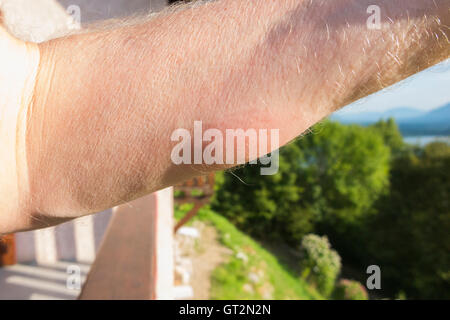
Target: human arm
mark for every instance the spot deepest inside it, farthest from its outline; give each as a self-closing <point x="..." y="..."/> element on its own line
<point x="97" y="130"/>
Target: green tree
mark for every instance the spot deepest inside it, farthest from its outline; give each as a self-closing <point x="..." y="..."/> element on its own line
<point x="391" y="135"/>
<point x="409" y="236"/>
<point x="332" y="176"/>
<point x="343" y="170"/>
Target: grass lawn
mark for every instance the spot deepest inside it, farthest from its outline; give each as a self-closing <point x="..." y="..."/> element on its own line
<point x="251" y="272"/>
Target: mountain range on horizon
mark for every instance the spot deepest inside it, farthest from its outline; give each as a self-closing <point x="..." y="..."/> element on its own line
<point x="411" y="121"/>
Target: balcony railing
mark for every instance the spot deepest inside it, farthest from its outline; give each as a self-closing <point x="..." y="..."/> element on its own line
<point x="135" y="260"/>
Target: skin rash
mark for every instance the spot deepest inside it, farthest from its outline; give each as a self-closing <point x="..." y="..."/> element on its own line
<point x="87" y="118"/>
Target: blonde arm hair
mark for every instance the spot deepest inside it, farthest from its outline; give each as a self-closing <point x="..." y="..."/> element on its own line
<point x="106" y="101"/>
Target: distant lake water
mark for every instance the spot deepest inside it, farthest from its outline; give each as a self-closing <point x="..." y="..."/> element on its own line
<point x="424" y="140"/>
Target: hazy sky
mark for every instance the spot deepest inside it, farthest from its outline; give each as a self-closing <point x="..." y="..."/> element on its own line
<point x="427" y="90"/>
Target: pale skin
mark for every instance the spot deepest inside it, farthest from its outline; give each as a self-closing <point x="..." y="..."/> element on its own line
<point x="86" y="119"/>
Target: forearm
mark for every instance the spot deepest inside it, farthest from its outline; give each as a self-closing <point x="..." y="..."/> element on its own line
<point x="107" y="102"/>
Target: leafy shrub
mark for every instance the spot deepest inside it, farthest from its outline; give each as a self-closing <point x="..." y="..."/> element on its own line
<point x="320" y="264"/>
<point x="350" y="290"/>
